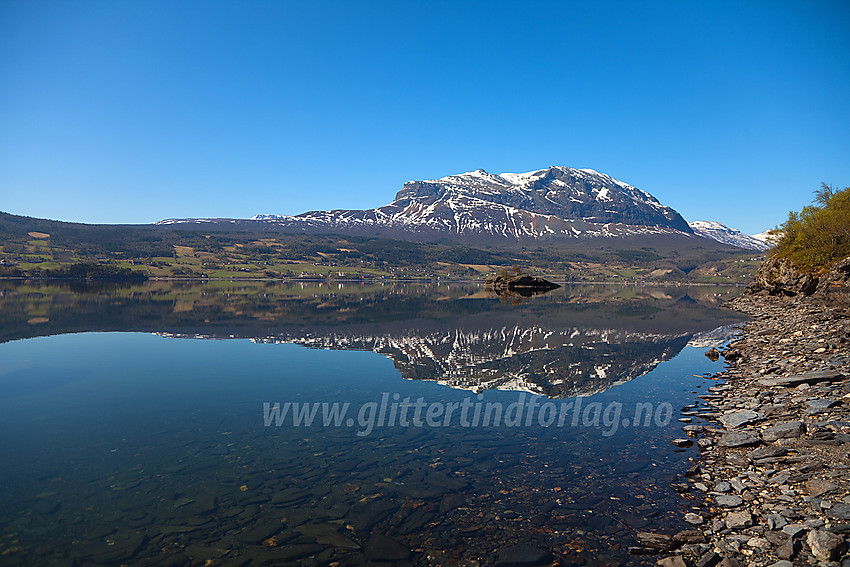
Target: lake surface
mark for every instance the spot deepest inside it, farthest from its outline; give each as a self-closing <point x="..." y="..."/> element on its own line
<point x="237" y="423"/>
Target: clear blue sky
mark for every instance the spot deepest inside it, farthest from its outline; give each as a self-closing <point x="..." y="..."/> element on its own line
<point x="115" y="111"/>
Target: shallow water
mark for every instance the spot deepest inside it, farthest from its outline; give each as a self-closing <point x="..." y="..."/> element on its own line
<point x="152" y="449"/>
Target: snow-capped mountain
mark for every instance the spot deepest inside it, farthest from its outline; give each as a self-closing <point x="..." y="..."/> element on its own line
<point x="765" y="237"/>
<point x="733" y="237"/>
<point x="554" y="202"/>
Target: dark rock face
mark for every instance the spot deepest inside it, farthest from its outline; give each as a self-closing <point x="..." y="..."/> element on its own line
<point x="834" y="288"/>
<point x="523" y="555"/>
<point x="777" y="276"/>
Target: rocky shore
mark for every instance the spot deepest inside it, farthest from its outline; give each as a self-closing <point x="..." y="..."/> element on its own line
<point x="772" y="486"/>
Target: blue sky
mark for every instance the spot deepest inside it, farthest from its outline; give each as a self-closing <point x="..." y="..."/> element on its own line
<point x="114" y="111"/>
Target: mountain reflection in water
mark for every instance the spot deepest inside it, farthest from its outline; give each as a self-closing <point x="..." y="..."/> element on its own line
<point x="128" y="448"/>
<point x="577" y="340"/>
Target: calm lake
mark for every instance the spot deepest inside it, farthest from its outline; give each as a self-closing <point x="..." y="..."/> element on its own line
<point x="233" y="423"/>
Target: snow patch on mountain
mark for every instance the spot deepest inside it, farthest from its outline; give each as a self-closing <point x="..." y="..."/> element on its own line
<point x="722" y="233"/>
<point x="766" y="237"/>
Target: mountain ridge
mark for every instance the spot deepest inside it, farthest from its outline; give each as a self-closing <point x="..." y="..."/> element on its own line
<point x="557" y="202"/>
<point x="734" y="237"/>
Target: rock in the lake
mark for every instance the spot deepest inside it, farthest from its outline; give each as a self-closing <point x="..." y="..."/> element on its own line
<point x="384" y="548"/>
<point x="655" y="541"/>
<point x="522" y="555"/>
<point x="674" y="561"/>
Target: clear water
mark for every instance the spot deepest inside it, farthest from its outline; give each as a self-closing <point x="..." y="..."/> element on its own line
<point x="128" y="447"/>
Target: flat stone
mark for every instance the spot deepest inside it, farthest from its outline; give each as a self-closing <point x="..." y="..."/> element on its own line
<point x="682" y="442"/>
<point x="694" y="519"/>
<point x="722" y="486"/>
<point x="736" y="419"/>
<point x="782" y="563"/>
<point x="818" y="487"/>
<point x="327" y="534"/>
<point x="806" y="378"/>
<point x="825" y="545"/>
<point x="767" y="452"/>
<point x="839" y="511"/>
<point x="820" y="404"/>
<point x="735" y="520"/>
<point x="384" y="548"/>
<point x="655" y="541"/>
<point x="728" y="500"/>
<point x="793" y="529"/>
<point x="738" y="439"/>
<point x="257" y="534"/>
<point x="675" y="561"/>
<point x="689" y="536"/>
<point x="784" y="430"/>
<point x="737" y="460"/>
<point x="759" y="543"/>
<point x="522" y="555"/>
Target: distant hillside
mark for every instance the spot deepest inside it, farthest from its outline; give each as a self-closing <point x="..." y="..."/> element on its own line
<point x="38" y="247"/>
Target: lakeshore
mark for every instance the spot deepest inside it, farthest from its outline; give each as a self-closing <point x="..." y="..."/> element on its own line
<point x="772" y="486"/>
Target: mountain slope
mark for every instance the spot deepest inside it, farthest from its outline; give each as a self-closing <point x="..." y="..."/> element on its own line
<point x="549" y="203"/>
<point x="733" y="237"/>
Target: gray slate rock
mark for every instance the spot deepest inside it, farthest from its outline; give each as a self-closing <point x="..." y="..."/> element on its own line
<point x="825" y="545"/>
<point x="655" y="541"/>
<point x="820" y="404"/>
<point x="784" y="430"/>
<point x="735" y="520"/>
<point x="776" y="521"/>
<point x="818" y="487"/>
<point x="767" y="452"/>
<point x="710" y="559"/>
<point x="736" y="419"/>
<point x="738" y="439"/>
<point x="522" y="555"/>
<point x="728" y="500"/>
<point x="839" y="511"/>
<point x="806" y="378"/>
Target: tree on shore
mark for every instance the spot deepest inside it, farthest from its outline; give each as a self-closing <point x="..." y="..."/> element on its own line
<point x="819" y="235"/>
